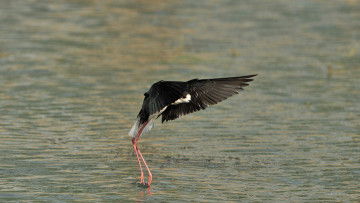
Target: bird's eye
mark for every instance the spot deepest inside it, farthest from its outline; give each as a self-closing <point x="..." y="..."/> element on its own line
<point x="146" y="94"/>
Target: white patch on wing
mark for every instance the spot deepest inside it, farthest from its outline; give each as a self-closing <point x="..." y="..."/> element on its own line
<point x="157" y="113"/>
<point x="183" y="100"/>
<point x="163" y="109"/>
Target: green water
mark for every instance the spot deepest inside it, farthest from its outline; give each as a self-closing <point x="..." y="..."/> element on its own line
<point x="73" y="74"/>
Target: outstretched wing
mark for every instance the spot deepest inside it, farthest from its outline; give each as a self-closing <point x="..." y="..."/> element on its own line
<point x="160" y="95"/>
<point x="206" y="92"/>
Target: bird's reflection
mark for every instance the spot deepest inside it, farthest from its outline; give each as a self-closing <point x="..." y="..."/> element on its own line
<point x="142" y="193"/>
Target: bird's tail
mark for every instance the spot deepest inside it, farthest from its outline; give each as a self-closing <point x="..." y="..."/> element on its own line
<point x="137" y="127"/>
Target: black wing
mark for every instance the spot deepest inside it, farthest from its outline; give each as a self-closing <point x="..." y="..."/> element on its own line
<point x="160" y="95"/>
<point x="206" y="92"/>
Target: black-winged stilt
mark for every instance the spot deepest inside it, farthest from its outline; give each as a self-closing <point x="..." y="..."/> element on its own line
<point x="172" y="99"/>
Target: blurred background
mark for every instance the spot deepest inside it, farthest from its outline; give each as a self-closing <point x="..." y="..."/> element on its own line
<point x="73" y="74"/>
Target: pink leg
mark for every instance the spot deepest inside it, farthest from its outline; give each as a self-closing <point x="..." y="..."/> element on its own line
<point x="140" y="131"/>
<point x="142" y="173"/>
<point x="137" y="152"/>
<point x="150" y="175"/>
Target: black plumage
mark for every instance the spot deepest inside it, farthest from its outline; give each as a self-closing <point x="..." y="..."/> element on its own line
<point x="161" y="97"/>
<point x="172" y="99"/>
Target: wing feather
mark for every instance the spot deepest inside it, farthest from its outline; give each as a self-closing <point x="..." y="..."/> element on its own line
<point x="160" y="95"/>
<point x="206" y="92"/>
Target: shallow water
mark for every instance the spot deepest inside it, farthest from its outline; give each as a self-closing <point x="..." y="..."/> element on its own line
<point x="73" y="74"/>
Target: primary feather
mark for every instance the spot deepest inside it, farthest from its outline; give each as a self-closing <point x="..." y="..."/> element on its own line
<point x="172" y="99"/>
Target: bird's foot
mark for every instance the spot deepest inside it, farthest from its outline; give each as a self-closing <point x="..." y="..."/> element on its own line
<point x="150" y="179"/>
<point x="142" y="178"/>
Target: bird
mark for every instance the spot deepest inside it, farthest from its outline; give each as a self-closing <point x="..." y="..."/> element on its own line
<point x="173" y="99"/>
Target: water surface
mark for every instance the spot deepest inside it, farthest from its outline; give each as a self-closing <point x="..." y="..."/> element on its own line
<point x="73" y="74"/>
